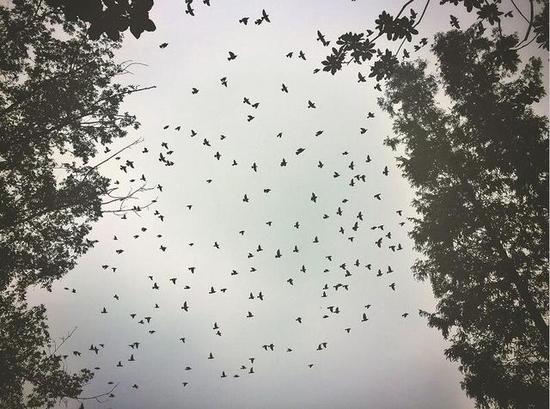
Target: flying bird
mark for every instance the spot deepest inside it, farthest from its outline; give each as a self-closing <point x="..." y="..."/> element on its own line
<point x="321" y="38"/>
<point x="454" y="22"/>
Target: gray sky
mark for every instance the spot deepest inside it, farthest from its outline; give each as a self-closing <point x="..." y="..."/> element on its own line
<point x="387" y="362"/>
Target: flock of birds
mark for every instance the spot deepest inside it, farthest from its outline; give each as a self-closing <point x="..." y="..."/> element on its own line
<point x="351" y="225"/>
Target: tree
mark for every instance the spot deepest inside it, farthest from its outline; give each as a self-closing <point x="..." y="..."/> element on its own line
<point x="58" y="105"/>
<point x="109" y="17"/>
<point x="361" y="47"/>
<point x="112" y="18"/>
<point x="26" y="364"/>
<point x="59" y="112"/>
<point x="479" y="167"/>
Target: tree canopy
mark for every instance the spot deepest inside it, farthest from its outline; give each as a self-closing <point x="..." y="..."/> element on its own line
<point x="109" y="17"/>
<point x="358" y="48"/>
<point x="59" y="104"/>
<point x="30" y="359"/>
<point x="59" y="111"/>
<point x="479" y="168"/>
<point x="113" y="18"/>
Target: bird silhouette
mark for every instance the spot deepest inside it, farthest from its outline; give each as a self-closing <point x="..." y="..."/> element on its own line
<point x="321" y="38"/>
<point x="454" y="22"/>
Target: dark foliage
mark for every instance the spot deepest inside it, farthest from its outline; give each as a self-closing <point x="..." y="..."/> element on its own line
<point x="480" y="171"/>
<point x="109" y="17"/>
<point x="58" y="104"/>
<point x="359" y="47"/>
<point x="30" y="361"/>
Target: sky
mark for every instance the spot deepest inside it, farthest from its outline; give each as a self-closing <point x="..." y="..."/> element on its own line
<point x="386" y="362"/>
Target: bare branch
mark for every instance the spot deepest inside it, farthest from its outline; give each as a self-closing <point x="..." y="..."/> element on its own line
<point x="137" y="141"/>
<point x="63" y="340"/>
<point x="519" y="11"/>
<point x="122" y="210"/>
<point x="130" y="195"/>
<point x="96" y="397"/>
<point x="532" y="12"/>
<point x="403" y="8"/>
<point x="422" y="15"/>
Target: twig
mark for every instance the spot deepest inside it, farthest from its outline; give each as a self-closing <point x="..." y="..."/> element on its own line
<point x="63" y="340"/>
<point x="400" y="45"/>
<point x="525" y="45"/>
<point x="519" y="11"/>
<point x="137" y="141"/>
<point x="403" y="8"/>
<point x="530" y="24"/>
<point x="96" y="397"/>
<point x="422" y="15"/>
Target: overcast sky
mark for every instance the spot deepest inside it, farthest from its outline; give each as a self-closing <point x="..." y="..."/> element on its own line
<point x="387" y="362"/>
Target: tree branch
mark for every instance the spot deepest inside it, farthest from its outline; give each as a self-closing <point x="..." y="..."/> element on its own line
<point x="63" y="340"/>
<point x="137" y="141"/>
<point x="513" y="273"/>
<point x="422" y="15"/>
<point x="96" y="397"/>
<point x="519" y="11"/>
<point x="403" y="8"/>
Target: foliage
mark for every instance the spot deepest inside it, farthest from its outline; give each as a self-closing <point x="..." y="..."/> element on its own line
<point x="113" y="17"/>
<point x="109" y="17"/>
<point x="359" y="47"/>
<point x="57" y="105"/>
<point x="27" y="359"/>
<point x="59" y="111"/>
<point x="479" y="167"/>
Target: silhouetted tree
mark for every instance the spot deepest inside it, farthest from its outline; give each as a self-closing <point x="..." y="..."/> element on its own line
<point x="479" y="165"/>
<point x="113" y="17"/>
<point x="403" y="27"/>
<point x="59" y="105"/>
<point x="109" y="17"/>
<point x="28" y="359"/>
